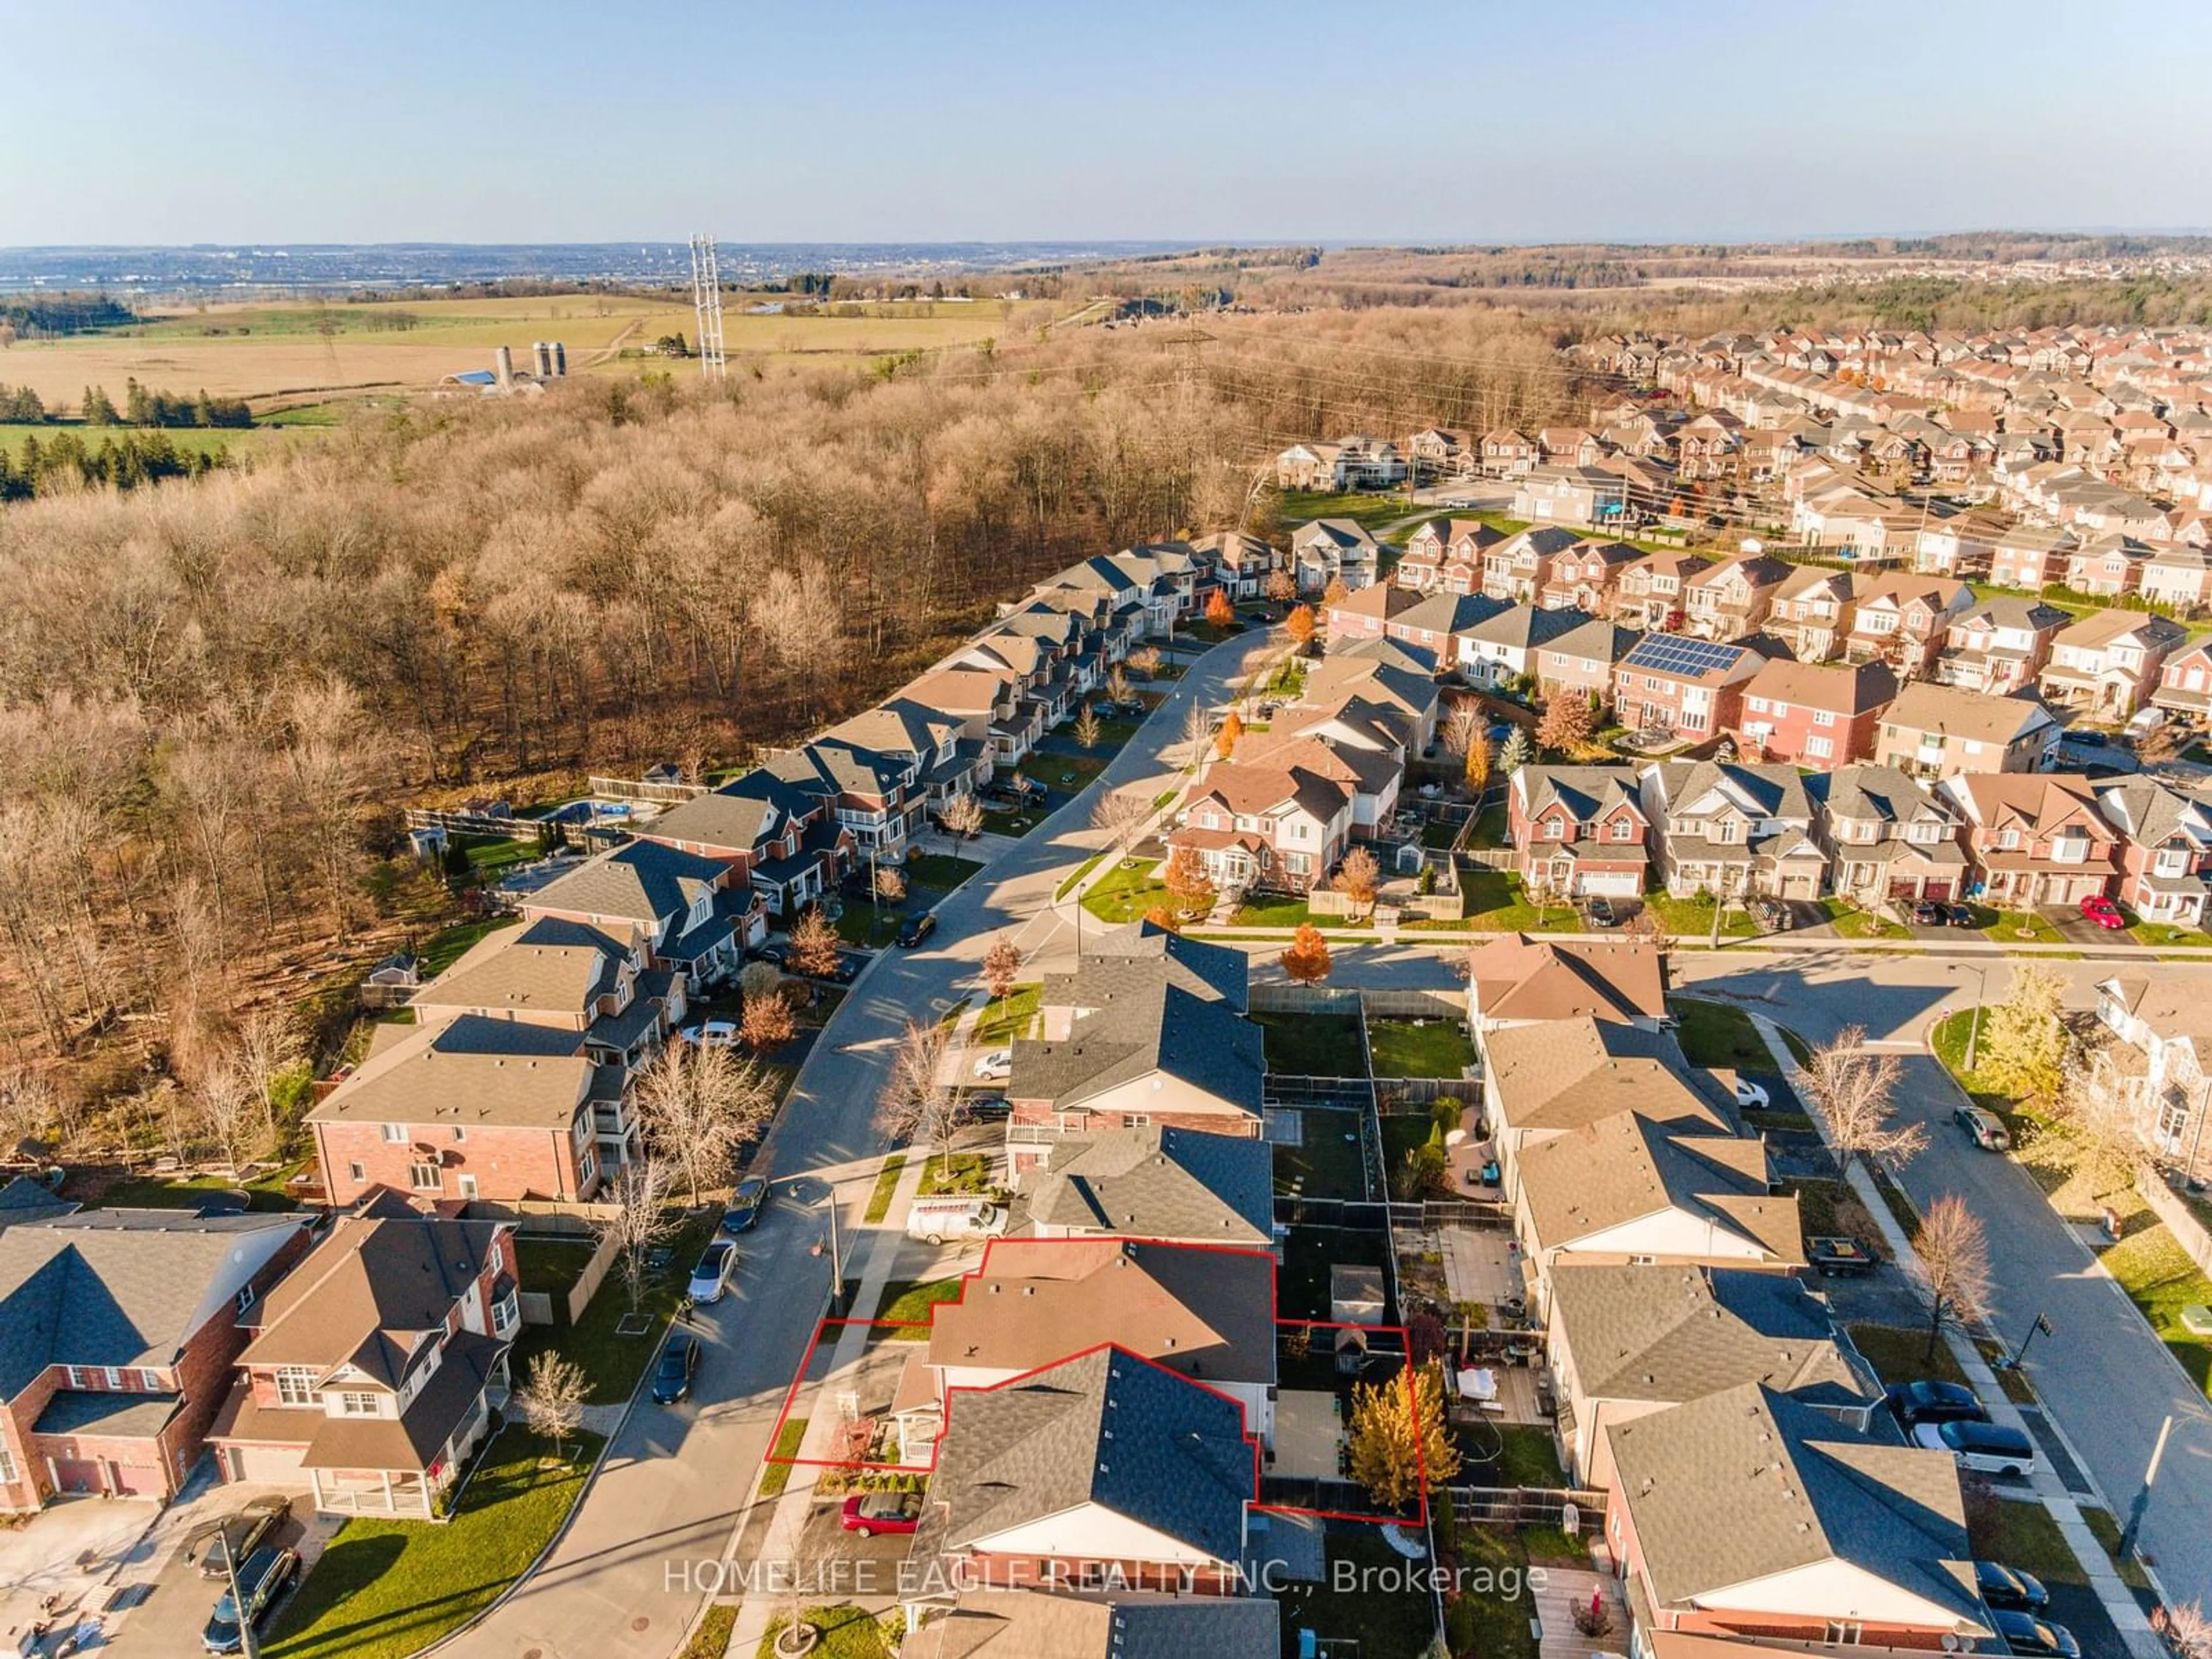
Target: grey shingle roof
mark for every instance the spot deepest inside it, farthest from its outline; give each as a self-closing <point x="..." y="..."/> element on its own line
<point x="1563" y="1073"/>
<point x="1625" y="1167"/>
<point x="1106" y="1428"/>
<point x="1158" y="1026"/>
<point x="1159" y="1182"/>
<point x="1881" y="792"/>
<point x="1010" y="1624"/>
<point x="1526" y="628"/>
<point x="1747" y="1484"/>
<point x="641" y="881"/>
<point x="1128" y="957"/>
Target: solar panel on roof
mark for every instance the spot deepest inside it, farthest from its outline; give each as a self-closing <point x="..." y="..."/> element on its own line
<point x="1674" y="655"/>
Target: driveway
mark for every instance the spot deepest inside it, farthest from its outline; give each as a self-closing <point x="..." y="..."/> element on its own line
<point x="2106" y="1382"/>
<point x="626" y="1579"/>
<point x="2077" y="929"/>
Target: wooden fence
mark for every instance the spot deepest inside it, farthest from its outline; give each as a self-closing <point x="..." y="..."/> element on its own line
<point x="637" y="789"/>
<point x="2173" y="1209"/>
<point x="537" y="1306"/>
<point x="1525" y="1506"/>
<point x="543" y="1217"/>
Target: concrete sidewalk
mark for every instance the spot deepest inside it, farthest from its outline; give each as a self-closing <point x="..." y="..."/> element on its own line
<point x="2119" y="1601"/>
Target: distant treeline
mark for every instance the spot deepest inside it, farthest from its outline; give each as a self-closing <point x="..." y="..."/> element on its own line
<point x="1932" y="302"/>
<point x="34" y="314"/>
<point x="66" y="460"/>
<point x="21" y="406"/>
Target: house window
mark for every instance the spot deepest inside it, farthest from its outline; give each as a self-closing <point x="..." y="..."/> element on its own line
<point x="295" y="1385"/>
<point x="245" y="1299"/>
<point x="395" y="1132"/>
<point x="1824" y="717"/>
<point x="356" y="1172"/>
<point x="7" y="1466"/>
<point x="112" y="1379"/>
<point x="2008" y="839"/>
<point x="459" y="1133"/>
<point x="150" y="1381"/>
<point x="423" y="1177"/>
<point x="1843" y="1632"/>
<point x="357" y="1405"/>
<point x="1136" y="1120"/>
<point x="1818" y="748"/>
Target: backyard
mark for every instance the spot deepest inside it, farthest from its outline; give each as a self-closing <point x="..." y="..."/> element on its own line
<point x="1301" y="1290"/>
<point x="1313" y="1045"/>
<point x="1420" y="1047"/>
<point x="386" y="1589"/>
<point x="1363" y="1608"/>
<point x="613" y="1363"/>
<point x="1328" y="1162"/>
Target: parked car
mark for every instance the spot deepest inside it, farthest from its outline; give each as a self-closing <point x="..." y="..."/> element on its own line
<point x="2023" y="1632"/>
<point x="1957" y="916"/>
<point x="262" y="1578"/>
<point x="673" y="1375"/>
<point x="997" y="1063"/>
<point x="2083" y="739"/>
<point x="1752" y="1095"/>
<point x="1987" y="1448"/>
<point x="711" y="1278"/>
<point x="712" y="1034"/>
<point x="915" y="929"/>
<point x="868" y="1513"/>
<point x="2142" y="723"/>
<point x="1602" y="913"/>
<point x="933" y="1220"/>
<point x="1912" y="1403"/>
<point x="774" y="951"/>
<point x="1771" y="915"/>
<point x="1985" y="1129"/>
<point x="2101" y="910"/>
<point x="747" y="1200"/>
<point x="1928" y="914"/>
<point x="983" y="1108"/>
<point x="233" y="1537"/>
<point x="2008" y="1589"/>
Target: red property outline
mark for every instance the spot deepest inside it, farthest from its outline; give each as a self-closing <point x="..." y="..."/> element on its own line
<point x="822" y="1325"/>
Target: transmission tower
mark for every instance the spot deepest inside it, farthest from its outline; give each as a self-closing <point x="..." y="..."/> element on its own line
<point x="707" y="300"/>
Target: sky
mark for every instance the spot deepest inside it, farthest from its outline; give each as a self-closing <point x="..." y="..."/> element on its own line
<point x="139" y="121"/>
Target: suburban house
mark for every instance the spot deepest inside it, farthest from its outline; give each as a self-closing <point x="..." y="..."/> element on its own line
<point x="369" y="1374"/>
<point x="2108" y="566"/>
<point x="1733" y="830"/>
<point x="565" y="976"/>
<point x="1358" y="745"/>
<point x="1580" y="495"/>
<point x="1240" y="563"/>
<point x="2034" y="838"/>
<point x="1903" y="621"/>
<point x="121" y="1326"/>
<point x="1692" y="689"/>
<point x="881" y="798"/>
<point x="1887" y="835"/>
<point x="1934" y="730"/>
<point x="1627" y="1341"/>
<point x="1385" y="674"/>
<point x="2030" y="557"/>
<point x="690" y="909"/>
<point x="1433" y="453"/>
<point x="1103" y="1471"/>
<point x="783" y="842"/>
<point x="1749" y="1514"/>
<point x="1445" y="555"/>
<point x="1509" y="455"/>
<point x="1520" y="567"/>
<point x="2109" y="662"/>
<point x="1148" y="1030"/>
<point x="2165" y="849"/>
<point x="1018" y="1623"/>
<point x="1629" y="1189"/>
<point x="1266" y="825"/>
<point x="1582" y="661"/>
<point x="1309" y="467"/>
<point x="1206" y="1313"/>
<point x="2160" y="1074"/>
<point x="1545" y="1079"/>
<point x="474" y="1107"/>
<point x="1999" y="645"/>
<point x="1506" y="647"/>
<point x="1366" y="613"/>
<point x="1813" y="611"/>
<point x="1439" y="621"/>
<point x="2179" y="575"/>
<point x="1586" y="577"/>
<point x="1580" y="830"/>
<point x="1330" y="549"/>
<point x="1816" y="715"/>
<point x="1650" y="591"/>
<point x="1733" y="598"/>
<point x="2185" y="682"/>
<point x="1181" y="1185"/>
<point x="1517" y="979"/>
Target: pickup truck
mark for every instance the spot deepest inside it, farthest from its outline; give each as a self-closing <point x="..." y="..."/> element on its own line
<point x="1841" y="1258"/>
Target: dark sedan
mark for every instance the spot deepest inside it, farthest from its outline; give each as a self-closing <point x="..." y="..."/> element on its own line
<point x="2023" y="1632"/>
<point x="679" y="1363"/>
<point x="262" y="1577"/>
<point x="214" y="1544"/>
<point x="1934" y="1402"/>
<point x="915" y="929"/>
<point x="747" y="1200"/>
<point x="2007" y="1590"/>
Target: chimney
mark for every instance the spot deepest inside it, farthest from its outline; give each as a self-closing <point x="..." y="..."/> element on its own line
<point x="503" y="365"/>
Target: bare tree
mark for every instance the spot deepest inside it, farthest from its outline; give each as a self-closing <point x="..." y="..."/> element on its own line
<point x="551" y="1394"/>
<point x="1197" y="732"/>
<point x="814" y="945"/>
<point x="1089" y="728"/>
<point x="1002" y="965"/>
<point x="30" y="1107"/>
<point x="1851" y="1088"/>
<point x="698" y="1104"/>
<point x="228" y="1112"/>
<point x="767" y="1022"/>
<point x="1461" y="727"/>
<point x="637" y="1220"/>
<point x="1123" y="814"/>
<point x="1117" y="683"/>
<point x="917" y="1104"/>
<point x="269" y="1048"/>
<point x="889" y="886"/>
<point x="2189" y="1630"/>
<point x="760" y="979"/>
<point x="963" y="816"/>
<point x="1951" y="1265"/>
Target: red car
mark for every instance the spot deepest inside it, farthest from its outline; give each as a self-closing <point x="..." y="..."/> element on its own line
<point x="2102" y="911"/>
<point x="868" y="1513"/>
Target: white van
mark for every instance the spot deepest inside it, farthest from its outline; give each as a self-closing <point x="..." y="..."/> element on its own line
<point x="936" y="1219"/>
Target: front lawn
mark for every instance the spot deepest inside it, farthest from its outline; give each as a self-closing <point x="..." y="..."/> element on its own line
<point x="1691" y="919"/>
<point x="1364" y="1601"/>
<point x="1068" y="772"/>
<point x="386" y="1588"/>
<point x="2023" y="928"/>
<point x="861" y="923"/>
<point x="1278" y="910"/>
<point x="1864" y="924"/>
<point x="1016" y="824"/>
<point x="956" y="1172"/>
<point x="907" y="1302"/>
<point x="1496" y="903"/>
<point x="1420" y="1047"/>
<point x="940" y="871"/>
<point x="1313" y="1045"/>
<point x="1899" y="1353"/>
<point x="2023" y="1535"/>
<point x="1002" y="1021"/>
<point x="1829" y="1209"/>
<point x="847" y="1632"/>
<point x="613" y="1363"/>
<point x="1126" y="892"/>
<point x="1363" y="508"/>
<point x="2160" y="934"/>
<point x="1719" y="1034"/>
<point x="2161" y="1281"/>
<point x="776" y="1469"/>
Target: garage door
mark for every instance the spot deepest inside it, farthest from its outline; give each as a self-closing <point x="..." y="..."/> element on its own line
<point x="1940" y="890"/>
<point x="1617" y="883"/>
<point x="76" y="1474"/>
<point x="270" y="1463"/>
<point x="138" y="1480"/>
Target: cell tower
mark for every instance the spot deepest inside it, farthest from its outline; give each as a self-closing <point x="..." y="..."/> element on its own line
<point x="707" y="300"/>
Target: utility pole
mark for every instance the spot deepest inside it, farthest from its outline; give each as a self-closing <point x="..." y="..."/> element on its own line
<point x="706" y="305"/>
<point x="2143" y="1497"/>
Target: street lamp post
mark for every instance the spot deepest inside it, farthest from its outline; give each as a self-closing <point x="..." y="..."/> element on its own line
<point x="1981" y="994"/>
<point x="836" y="1246"/>
<point x="2043" y="1324"/>
<point x="248" y="1647"/>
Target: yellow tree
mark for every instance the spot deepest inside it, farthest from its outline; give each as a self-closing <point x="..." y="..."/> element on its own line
<point x="1190" y="887"/>
<point x="1307" y="960"/>
<point x="1399" y="1445"/>
<point x="1478" y="762"/>
<point x="1299" y="625"/>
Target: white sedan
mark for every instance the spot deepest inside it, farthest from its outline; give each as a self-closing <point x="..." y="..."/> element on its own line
<point x="711" y="1278"/>
<point x="714" y="1033"/>
<point x="1750" y="1094"/>
<point x="996" y="1065"/>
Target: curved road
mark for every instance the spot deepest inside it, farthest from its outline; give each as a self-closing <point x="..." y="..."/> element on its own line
<point x="646" y="1541"/>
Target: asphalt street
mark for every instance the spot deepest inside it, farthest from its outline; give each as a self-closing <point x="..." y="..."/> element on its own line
<point x="630" y="1572"/>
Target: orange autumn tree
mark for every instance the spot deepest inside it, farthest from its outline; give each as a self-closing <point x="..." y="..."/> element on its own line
<point x="1190" y="887"/>
<point x="1225" y="739"/>
<point x="1299" y="625"/>
<point x="1219" y="611"/>
<point x="1307" y="960"/>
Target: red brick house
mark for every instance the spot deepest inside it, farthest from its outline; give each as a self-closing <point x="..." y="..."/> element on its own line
<point x="1367" y="613"/>
<point x="2165" y="849"/>
<point x="1586" y="577"/>
<point x="2035" y="838"/>
<point x="1816" y="715"/>
<point x="1902" y="620"/>
<point x="121" y="1328"/>
<point x="1580" y="829"/>
<point x="782" y="841"/>
<point x="369" y="1370"/>
<point x="2185" y="682"/>
<point x="1693" y="689"/>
